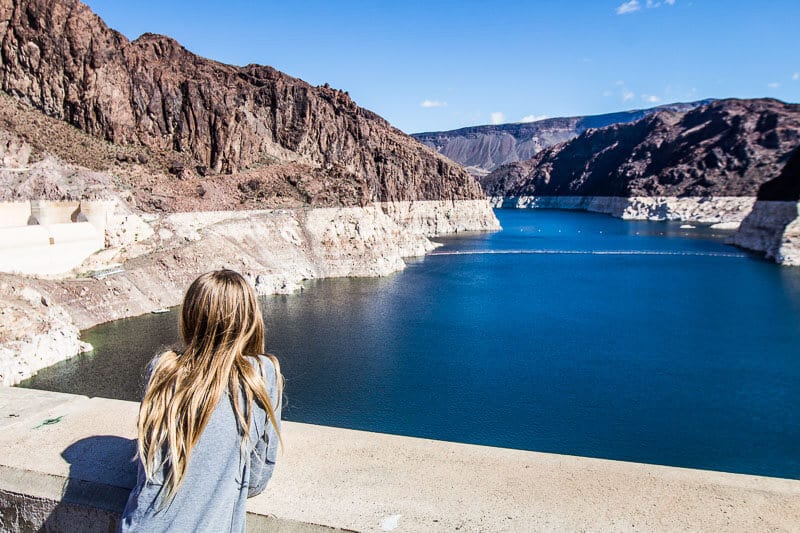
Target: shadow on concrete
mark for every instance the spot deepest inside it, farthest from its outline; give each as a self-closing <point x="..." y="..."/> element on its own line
<point x="101" y="475"/>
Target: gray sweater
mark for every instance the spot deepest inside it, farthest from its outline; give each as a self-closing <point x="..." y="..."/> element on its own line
<point x="218" y="480"/>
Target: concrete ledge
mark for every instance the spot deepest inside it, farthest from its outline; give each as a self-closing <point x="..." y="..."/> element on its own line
<point x="65" y="465"/>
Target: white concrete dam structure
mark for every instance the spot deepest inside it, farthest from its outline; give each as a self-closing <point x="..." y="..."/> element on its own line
<point x="65" y="465"/>
<point x="44" y="238"/>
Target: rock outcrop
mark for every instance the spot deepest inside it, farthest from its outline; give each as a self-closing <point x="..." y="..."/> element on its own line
<point x="726" y="148"/>
<point x="482" y="149"/>
<point x="773" y="226"/>
<point x="34" y="332"/>
<point x="62" y="59"/>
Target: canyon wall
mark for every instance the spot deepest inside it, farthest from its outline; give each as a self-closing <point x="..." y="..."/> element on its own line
<point x="62" y="59"/>
<point x="482" y="149"/>
<point x="773" y="226"/>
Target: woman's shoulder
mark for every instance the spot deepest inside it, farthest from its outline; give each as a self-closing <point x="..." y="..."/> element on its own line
<point x="266" y="365"/>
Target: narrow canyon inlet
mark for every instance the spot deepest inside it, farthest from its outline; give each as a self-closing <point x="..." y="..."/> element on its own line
<point x="566" y="332"/>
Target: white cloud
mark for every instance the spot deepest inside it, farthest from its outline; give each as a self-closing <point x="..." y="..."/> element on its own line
<point x="498" y="117"/>
<point x="651" y="98"/>
<point x="633" y="6"/>
<point x="773" y="85"/>
<point x="607" y="93"/>
<point x="628" y="7"/>
<point x="796" y="76"/>
<point x="432" y="103"/>
<point x="628" y="95"/>
<point x="533" y="118"/>
<point x="619" y="83"/>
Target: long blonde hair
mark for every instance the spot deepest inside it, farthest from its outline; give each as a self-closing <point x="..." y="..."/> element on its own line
<point x="220" y="324"/>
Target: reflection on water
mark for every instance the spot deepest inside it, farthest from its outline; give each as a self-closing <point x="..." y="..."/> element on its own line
<point x="677" y="351"/>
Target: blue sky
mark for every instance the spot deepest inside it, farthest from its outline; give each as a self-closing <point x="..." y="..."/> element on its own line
<point x="428" y="65"/>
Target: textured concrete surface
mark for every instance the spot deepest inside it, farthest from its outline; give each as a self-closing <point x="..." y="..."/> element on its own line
<point x="66" y="460"/>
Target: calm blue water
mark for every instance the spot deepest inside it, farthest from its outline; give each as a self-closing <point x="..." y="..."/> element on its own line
<point x="567" y="332"/>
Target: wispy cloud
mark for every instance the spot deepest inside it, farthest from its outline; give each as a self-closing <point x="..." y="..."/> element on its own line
<point x="432" y="103"/>
<point x="628" y="95"/>
<point x="651" y="98"/>
<point x="628" y="7"/>
<point x="632" y="6"/>
<point x="533" y="118"/>
<point x="796" y="76"/>
<point x="498" y="117"/>
<point x="773" y="85"/>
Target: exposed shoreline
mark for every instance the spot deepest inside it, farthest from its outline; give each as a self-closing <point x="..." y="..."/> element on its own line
<point x="726" y="211"/>
<point x="275" y="249"/>
<point x="768" y="227"/>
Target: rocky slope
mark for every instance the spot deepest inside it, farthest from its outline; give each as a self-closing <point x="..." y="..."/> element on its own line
<point x="62" y="59"/>
<point x="726" y="148"/>
<point x="482" y="149"/>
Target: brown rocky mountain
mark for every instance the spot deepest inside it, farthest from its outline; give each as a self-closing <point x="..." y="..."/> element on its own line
<point x="726" y="148"/>
<point x="482" y="149"/>
<point x="195" y="117"/>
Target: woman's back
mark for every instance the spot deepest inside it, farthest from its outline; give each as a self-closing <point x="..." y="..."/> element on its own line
<point x="219" y="477"/>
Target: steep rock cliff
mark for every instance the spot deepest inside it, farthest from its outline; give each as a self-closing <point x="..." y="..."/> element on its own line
<point x="62" y="59"/>
<point x="773" y="226"/>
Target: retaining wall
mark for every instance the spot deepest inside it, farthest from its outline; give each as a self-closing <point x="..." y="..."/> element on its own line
<point x="65" y="465"/>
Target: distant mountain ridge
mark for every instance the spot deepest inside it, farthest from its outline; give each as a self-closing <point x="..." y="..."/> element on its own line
<point x="725" y="148"/>
<point x="481" y="149"/>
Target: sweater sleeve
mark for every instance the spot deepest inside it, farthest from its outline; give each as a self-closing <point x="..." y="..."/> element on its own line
<point x="265" y="452"/>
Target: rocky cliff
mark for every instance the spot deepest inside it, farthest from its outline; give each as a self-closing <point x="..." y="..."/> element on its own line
<point x="726" y="148"/>
<point x="773" y="226"/>
<point x="482" y="149"/>
<point x="199" y="117"/>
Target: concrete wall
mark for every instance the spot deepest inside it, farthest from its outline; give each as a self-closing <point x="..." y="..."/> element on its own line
<point x="48" y="237"/>
<point x="65" y="465"/>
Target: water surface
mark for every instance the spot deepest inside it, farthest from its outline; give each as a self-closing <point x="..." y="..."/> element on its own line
<point x="567" y="332"/>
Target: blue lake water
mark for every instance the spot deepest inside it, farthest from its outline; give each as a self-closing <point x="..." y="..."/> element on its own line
<point x="566" y="332"/>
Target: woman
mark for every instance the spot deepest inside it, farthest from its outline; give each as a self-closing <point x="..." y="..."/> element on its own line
<point x="209" y="423"/>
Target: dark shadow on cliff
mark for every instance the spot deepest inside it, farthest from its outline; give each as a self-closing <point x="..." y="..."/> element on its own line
<point x="775" y="208"/>
<point x="101" y="475"/>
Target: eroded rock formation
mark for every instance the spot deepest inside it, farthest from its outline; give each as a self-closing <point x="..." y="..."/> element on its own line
<point x="60" y="57"/>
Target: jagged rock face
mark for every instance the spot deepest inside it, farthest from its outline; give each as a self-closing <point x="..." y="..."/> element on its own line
<point x="484" y="148"/>
<point x="726" y="148"/>
<point x="785" y="187"/>
<point x="60" y="57"/>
